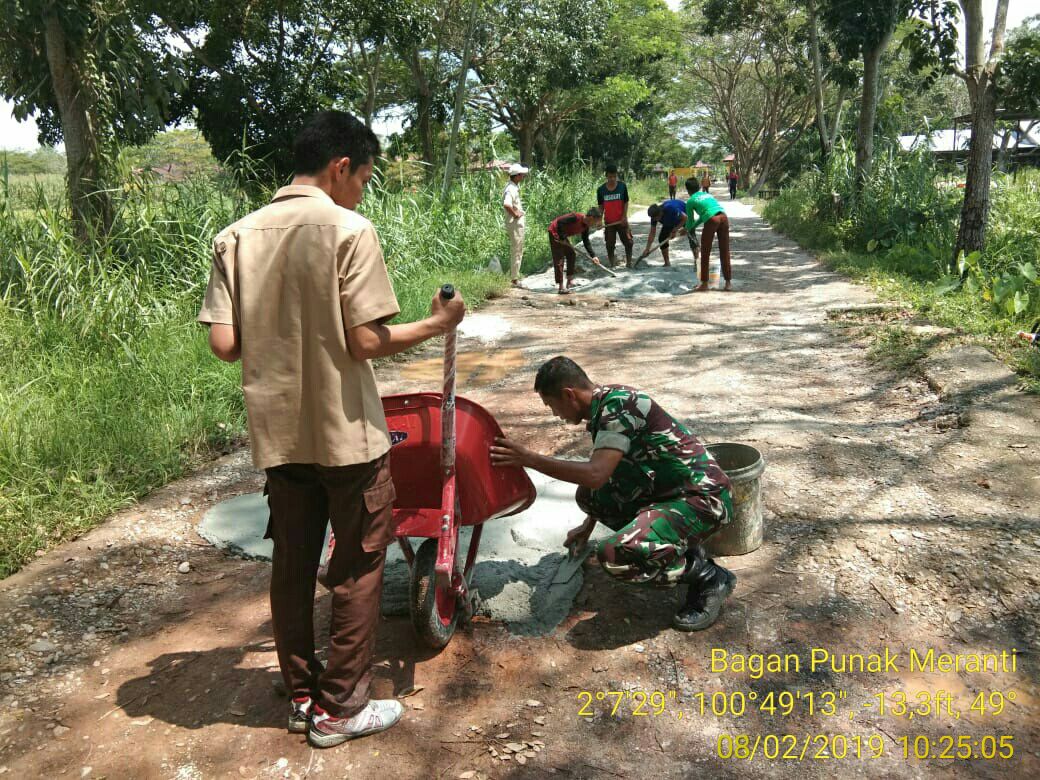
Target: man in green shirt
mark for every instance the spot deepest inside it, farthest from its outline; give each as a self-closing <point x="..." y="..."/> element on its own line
<point x="649" y="479"/>
<point x="702" y="208"/>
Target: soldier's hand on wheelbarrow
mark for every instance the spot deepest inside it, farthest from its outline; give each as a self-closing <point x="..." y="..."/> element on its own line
<point x="505" y="452"/>
<point x="448" y="313"/>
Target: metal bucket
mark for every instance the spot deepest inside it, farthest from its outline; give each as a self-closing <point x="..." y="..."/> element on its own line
<point x="743" y="465"/>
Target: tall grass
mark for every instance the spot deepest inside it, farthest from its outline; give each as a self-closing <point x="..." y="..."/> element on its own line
<point x="899" y="233"/>
<point x="107" y="386"/>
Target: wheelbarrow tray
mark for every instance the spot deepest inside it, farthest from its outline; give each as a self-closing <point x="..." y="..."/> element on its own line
<point x="484" y="492"/>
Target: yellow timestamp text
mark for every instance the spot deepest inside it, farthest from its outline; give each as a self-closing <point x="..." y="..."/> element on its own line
<point x="839" y="747"/>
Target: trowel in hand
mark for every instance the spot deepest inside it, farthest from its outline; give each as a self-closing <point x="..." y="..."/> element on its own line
<point x="571" y="564"/>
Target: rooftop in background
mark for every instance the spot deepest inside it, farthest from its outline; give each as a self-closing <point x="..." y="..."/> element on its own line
<point x="1025" y="138"/>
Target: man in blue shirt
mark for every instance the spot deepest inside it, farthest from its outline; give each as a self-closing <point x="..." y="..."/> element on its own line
<point x="671" y="215"/>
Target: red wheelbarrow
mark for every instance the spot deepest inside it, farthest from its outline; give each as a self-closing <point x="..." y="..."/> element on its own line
<point x="440" y="459"/>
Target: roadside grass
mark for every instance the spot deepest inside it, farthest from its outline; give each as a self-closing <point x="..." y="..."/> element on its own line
<point x="648" y="189"/>
<point x="897" y="348"/>
<point x="897" y="236"/>
<point x="107" y="386"/>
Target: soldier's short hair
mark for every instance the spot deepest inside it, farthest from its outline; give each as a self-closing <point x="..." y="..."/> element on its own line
<point x="558" y="373"/>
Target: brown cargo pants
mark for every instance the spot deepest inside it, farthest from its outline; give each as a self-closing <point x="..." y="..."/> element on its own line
<point x="359" y="501"/>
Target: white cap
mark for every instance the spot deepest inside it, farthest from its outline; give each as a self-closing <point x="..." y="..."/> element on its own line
<point x="516" y="168"/>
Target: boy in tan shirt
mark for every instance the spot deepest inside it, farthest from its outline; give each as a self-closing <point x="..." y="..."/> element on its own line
<point x="300" y="293"/>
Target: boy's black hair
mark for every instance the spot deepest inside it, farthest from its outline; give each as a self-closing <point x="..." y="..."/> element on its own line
<point x="654" y="211"/>
<point x="692" y="185"/>
<point x="331" y="134"/>
<point x="594" y="212"/>
<point x="611" y="168"/>
<point x="558" y="373"/>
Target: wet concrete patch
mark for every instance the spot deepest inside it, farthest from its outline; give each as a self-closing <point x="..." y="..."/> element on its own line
<point x="518" y="559"/>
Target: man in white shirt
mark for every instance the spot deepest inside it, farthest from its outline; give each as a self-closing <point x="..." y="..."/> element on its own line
<point x="515" y="220"/>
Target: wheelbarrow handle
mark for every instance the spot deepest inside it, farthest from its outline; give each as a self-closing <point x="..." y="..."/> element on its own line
<point x="444" y="568"/>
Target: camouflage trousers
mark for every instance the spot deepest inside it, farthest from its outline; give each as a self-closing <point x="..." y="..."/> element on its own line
<point x="650" y="540"/>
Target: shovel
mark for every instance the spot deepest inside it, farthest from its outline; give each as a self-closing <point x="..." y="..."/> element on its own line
<point x="600" y="266"/>
<point x="655" y="248"/>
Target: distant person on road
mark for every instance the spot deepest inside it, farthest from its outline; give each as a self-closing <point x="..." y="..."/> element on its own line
<point x="709" y="213"/>
<point x="612" y="197"/>
<point x="560" y="231"/>
<point x="515" y="225"/>
<point x="732" y="178"/>
<point x="649" y="479"/>
<point x="673" y="182"/>
<point x="706" y="182"/>
<point x="670" y="217"/>
<point x="300" y="292"/>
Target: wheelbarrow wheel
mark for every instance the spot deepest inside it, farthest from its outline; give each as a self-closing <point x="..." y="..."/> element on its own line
<point x="434" y="611"/>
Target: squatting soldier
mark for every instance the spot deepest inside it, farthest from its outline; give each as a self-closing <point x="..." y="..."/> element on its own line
<point x="649" y="480"/>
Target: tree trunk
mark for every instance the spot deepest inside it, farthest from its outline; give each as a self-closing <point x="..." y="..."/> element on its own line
<point x="1005" y="139"/>
<point x="971" y="236"/>
<point x="90" y="204"/>
<point x="868" y="110"/>
<point x="372" y="84"/>
<point x="821" y="116"/>
<point x="460" y="101"/>
<point x="423" y="109"/>
<point x="525" y="142"/>
<point x="838" y="108"/>
<point x="424" y="106"/>
<point x="982" y="92"/>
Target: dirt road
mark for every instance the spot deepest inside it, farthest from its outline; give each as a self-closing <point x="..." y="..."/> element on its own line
<point x="901" y="515"/>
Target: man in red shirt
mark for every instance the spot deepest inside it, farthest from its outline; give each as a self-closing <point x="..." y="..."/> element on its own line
<point x="613" y="199"/>
<point x="673" y="182"/>
<point x="560" y="231"/>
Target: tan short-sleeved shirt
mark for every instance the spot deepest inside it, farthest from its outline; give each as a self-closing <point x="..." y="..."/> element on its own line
<point x="511" y="197"/>
<point x="292" y="277"/>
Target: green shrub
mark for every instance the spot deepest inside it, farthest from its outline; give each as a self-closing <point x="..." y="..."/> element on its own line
<point x="899" y="232"/>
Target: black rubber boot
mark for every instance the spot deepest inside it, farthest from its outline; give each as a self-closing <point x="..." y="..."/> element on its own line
<point x="709" y="585"/>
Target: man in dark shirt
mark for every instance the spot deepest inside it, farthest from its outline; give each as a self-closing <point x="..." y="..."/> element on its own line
<point x="612" y="197"/>
<point x="649" y="479"/>
<point x="560" y="231"/>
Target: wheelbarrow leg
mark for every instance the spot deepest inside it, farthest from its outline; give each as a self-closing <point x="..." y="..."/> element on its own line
<point x="471" y="601"/>
<point x="406" y="549"/>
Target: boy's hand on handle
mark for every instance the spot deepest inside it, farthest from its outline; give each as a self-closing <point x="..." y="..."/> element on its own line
<point x="448" y="312"/>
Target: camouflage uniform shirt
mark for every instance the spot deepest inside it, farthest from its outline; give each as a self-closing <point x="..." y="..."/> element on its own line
<point x="662" y="459"/>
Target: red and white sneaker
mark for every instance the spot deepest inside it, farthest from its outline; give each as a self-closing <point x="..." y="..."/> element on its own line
<point x="378" y="715"/>
<point x="300" y="714"/>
